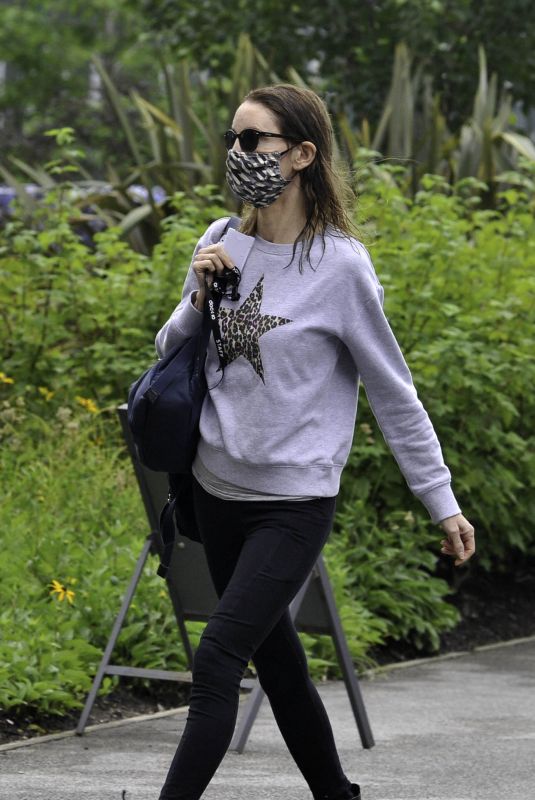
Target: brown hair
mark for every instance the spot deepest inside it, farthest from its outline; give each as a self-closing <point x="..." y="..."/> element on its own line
<point x="302" y="115"/>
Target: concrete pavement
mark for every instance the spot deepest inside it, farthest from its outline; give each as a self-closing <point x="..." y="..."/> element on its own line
<point x="453" y="728"/>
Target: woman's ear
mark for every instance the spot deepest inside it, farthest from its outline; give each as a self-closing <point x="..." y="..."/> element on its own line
<point x="303" y="155"/>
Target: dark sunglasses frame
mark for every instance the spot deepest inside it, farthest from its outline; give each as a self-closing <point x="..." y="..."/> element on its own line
<point x="250" y="137"/>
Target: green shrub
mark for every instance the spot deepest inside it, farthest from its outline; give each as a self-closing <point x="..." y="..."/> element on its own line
<point x="78" y="326"/>
<point x="72" y="526"/>
<point x="459" y="294"/>
<point x="79" y="321"/>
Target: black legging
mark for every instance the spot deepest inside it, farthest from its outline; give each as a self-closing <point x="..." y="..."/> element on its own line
<point x="259" y="554"/>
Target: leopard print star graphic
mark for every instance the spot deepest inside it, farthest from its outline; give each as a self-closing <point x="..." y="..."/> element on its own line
<point x="242" y="328"/>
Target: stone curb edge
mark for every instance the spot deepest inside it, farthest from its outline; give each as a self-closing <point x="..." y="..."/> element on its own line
<point x="50" y="737"/>
<point x="369" y="673"/>
<point x="417" y="662"/>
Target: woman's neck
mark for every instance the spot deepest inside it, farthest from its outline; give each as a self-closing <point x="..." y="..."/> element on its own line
<point x="283" y="221"/>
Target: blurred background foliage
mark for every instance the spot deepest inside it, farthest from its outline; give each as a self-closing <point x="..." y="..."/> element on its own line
<point x="398" y="77"/>
<point x="348" y="47"/>
<point x="345" y="49"/>
<point x="178" y="144"/>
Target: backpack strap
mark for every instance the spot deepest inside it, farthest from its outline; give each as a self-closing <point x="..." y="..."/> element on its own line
<point x="222" y="226"/>
<point x="167" y="532"/>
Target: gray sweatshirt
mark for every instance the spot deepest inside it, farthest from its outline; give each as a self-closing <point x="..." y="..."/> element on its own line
<point x="282" y="417"/>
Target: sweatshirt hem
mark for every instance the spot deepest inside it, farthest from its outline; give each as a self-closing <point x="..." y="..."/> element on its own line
<point x="320" y="480"/>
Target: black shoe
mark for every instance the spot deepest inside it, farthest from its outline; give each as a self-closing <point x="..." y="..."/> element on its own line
<point x="353" y="789"/>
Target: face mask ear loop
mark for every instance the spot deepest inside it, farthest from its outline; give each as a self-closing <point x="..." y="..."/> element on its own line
<point x="283" y="154"/>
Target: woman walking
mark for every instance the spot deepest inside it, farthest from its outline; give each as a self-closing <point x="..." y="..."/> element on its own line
<point x="277" y="426"/>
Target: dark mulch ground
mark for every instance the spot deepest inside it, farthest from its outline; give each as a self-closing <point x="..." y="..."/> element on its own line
<point x="126" y="701"/>
<point x="494" y="608"/>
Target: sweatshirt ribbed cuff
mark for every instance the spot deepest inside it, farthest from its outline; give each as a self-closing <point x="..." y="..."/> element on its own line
<point x="440" y="502"/>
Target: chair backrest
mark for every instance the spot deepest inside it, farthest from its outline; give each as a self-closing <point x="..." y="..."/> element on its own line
<point x="189" y="581"/>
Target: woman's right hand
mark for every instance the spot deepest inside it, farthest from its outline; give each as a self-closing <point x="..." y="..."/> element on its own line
<point x="208" y="260"/>
<point x="461" y="538"/>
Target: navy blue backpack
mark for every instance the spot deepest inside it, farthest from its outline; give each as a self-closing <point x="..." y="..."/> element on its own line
<point x="164" y="408"/>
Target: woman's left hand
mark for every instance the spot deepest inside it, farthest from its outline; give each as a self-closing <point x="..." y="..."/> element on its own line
<point x="461" y="538"/>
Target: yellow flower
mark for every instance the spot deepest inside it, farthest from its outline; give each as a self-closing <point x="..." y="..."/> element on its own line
<point x="47" y="393"/>
<point x="88" y="404"/>
<point x="61" y="591"/>
<point x="5" y="379"/>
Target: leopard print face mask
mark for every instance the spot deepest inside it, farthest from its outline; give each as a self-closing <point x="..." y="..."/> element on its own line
<point x="256" y="177"/>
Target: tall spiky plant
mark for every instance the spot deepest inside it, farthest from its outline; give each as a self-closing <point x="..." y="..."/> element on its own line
<point x="487" y="145"/>
<point x="411" y="128"/>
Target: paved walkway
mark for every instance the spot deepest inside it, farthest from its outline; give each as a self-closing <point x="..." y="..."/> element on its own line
<point x="459" y="728"/>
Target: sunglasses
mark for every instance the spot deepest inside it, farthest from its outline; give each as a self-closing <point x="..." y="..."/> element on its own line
<point x="249" y="138"/>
